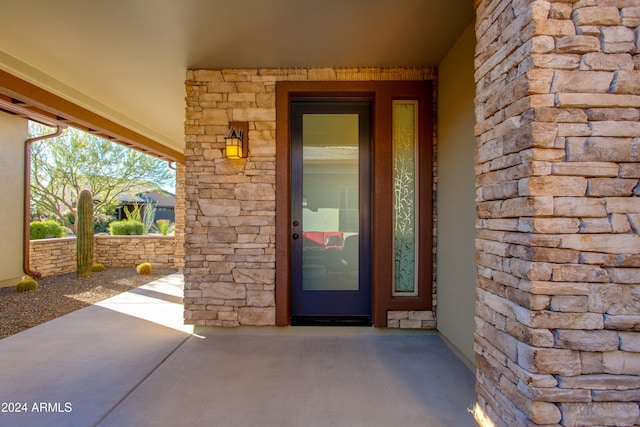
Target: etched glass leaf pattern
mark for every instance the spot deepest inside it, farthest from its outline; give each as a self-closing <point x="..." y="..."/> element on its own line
<point x="404" y="180"/>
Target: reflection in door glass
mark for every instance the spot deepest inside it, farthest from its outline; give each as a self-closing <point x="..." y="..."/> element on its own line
<point x="330" y="202"/>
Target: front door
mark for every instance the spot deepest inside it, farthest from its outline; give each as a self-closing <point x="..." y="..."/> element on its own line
<point x="330" y="211"/>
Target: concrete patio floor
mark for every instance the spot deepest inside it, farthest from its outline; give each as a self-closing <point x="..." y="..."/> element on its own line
<point x="129" y="361"/>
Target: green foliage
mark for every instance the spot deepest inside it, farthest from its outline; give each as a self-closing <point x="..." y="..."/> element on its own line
<point x="165" y="227"/>
<point x="96" y="268"/>
<point x="102" y="220"/>
<point x="144" y="268"/>
<point x="26" y="284"/>
<point x="125" y="228"/>
<point x="70" y="217"/>
<point x="62" y="166"/>
<point x="144" y="213"/>
<point x="84" y="234"/>
<point x="46" y="229"/>
<point x="133" y="213"/>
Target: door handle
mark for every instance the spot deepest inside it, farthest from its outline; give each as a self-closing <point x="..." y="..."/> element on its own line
<point x="295" y="236"/>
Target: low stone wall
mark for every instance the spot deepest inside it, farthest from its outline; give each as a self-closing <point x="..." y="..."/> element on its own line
<point x="58" y="256"/>
<point x="53" y="256"/>
<point x="129" y="251"/>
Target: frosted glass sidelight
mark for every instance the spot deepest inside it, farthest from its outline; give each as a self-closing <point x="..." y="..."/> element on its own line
<point x="405" y="183"/>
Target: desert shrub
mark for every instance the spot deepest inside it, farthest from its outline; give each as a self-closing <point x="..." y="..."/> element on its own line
<point x="165" y="227"/>
<point x="101" y="222"/>
<point x="125" y="228"/>
<point x="37" y="230"/>
<point x="70" y="217"/>
<point x="96" y="268"/>
<point x="26" y="284"/>
<point x="144" y="213"/>
<point x="144" y="268"/>
<point x="46" y="229"/>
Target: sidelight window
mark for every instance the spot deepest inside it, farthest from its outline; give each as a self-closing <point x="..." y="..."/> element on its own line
<point x="405" y="187"/>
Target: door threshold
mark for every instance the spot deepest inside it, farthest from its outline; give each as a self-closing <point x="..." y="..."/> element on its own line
<point x="331" y="321"/>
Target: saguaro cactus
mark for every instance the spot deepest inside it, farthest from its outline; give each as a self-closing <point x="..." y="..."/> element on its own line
<point x="84" y="232"/>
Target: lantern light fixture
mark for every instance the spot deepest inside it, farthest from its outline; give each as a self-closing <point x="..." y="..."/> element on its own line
<point x="236" y="142"/>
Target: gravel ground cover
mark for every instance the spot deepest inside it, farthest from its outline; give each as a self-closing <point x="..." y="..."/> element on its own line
<point x="59" y="295"/>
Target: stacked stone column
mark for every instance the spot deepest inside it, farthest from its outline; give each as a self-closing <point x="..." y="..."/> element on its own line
<point x="558" y="251"/>
<point x="179" y="216"/>
<point x="230" y="204"/>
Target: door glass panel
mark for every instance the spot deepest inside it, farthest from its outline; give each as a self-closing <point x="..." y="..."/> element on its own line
<point x="405" y="189"/>
<point x="330" y="201"/>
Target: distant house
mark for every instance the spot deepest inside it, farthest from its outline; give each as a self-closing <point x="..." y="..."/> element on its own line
<point x="163" y="201"/>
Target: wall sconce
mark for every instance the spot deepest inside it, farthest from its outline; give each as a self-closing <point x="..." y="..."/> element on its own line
<point x="237" y="142"/>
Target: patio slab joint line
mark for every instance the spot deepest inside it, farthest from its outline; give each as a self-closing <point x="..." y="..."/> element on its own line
<point x="135" y="387"/>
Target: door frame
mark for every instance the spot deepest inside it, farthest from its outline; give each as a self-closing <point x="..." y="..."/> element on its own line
<point x="382" y="93"/>
<point x="354" y="299"/>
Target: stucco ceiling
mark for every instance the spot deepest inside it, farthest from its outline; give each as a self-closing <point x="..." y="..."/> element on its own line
<point x="126" y="59"/>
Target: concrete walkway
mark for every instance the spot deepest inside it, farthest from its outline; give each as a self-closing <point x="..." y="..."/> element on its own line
<point x="129" y="361"/>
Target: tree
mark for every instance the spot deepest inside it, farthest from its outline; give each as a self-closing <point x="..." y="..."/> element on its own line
<point x="62" y="166"/>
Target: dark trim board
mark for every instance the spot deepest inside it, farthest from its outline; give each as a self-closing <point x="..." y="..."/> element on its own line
<point x="382" y="94"/>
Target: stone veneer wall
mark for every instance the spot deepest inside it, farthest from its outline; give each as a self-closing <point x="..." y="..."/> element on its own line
<point x="557" y="166"/>
<point x="58" y="256"/>
<point x="129" y="251"/>
<point x="230" y="204"/>
<point x="53" y="256"/>
<point x="179" y="216"/>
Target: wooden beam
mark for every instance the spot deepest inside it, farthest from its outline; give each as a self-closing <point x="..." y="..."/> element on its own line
<point x="43" y="101"/>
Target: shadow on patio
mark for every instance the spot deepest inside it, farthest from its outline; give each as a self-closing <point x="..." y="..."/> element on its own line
<point x="129" y="361"/>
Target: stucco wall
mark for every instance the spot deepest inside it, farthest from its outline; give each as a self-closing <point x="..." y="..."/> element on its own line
<point x="456" y="192"/>
<point x="13" y="133"/>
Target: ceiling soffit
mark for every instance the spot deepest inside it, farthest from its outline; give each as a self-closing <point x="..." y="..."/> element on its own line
<point x="27" y="100"/>
<point x="126" y="61"/>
